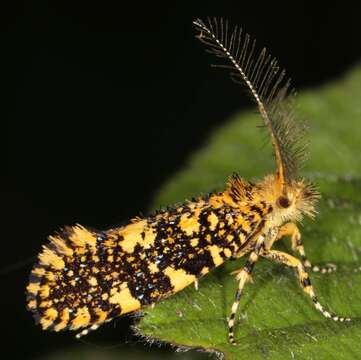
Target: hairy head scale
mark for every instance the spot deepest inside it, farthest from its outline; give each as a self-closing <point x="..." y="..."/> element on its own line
<point x="268" y="86"/>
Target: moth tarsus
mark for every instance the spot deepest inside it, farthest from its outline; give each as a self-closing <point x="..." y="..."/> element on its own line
<point x="84" y="278"/>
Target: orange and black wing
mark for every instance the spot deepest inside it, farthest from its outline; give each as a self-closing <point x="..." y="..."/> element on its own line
<point x="84" y="278"/>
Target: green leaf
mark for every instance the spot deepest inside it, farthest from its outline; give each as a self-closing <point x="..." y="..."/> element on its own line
<point x="277" y="320"/>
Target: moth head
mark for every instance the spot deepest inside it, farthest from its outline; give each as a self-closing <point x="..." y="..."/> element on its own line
<point x="296" y="200"/>
<point x="290" y="201"/>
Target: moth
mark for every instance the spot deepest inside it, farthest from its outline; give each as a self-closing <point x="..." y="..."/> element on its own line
<point x="84" y="277"/>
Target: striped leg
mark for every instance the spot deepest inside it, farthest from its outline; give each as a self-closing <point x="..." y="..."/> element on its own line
<point x="86" y="331"/>
<point x="243" y="276"/>
<point x="291" y="261"/>
<point x="291" y="229"/>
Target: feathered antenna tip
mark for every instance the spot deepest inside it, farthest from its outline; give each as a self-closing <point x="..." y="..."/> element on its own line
<point x="268" y="85"/>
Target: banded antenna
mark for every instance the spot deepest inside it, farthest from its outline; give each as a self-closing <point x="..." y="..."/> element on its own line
<point x="268" y="86"/>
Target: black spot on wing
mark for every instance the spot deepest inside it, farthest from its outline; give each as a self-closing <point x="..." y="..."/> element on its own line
<point x="196" y="263"/>
<point x="149" y="288"/>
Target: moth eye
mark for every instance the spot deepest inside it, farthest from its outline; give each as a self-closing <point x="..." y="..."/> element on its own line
<point x="283" y="202"/>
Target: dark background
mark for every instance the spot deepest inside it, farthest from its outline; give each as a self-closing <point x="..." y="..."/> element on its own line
<point x="104" y="101"/>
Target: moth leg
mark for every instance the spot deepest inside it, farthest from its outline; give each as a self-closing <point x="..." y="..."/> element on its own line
<point x="291" y="230"/>
<point x="242" y="276"/>
<point x="86" y="331"/>
<point x="305" y="282"/>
